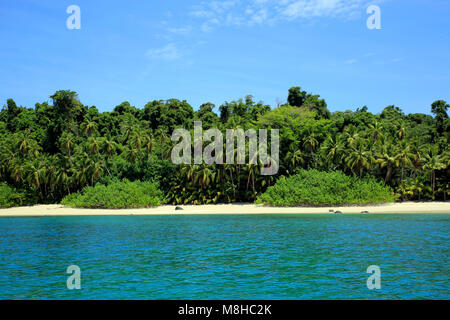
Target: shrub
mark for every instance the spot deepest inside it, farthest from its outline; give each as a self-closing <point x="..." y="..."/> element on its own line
<point x="116" y="195"/>
<point x="317" y="188"/>
<point x="155" y="170"/>
<point x="10" y="197"/>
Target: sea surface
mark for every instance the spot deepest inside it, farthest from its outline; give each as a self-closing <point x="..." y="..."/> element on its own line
<point x="226" y="257"/>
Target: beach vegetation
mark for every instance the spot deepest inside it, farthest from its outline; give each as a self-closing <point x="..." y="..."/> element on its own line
<point x="320" y="188"/>
<point x="116" y="195"/>
<point x="11" y="197"/>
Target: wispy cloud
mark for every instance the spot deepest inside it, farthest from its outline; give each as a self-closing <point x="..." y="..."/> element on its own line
<point x="395" y="60"/>
<point x="209" y="24"/>
<point x="169" y="52"/>
<point x="209" y="15"/>
<point x="180" y="30"/>
<point x="258" y="12"/>
<point x="390" y="61"/>
<point x="369" y="58"/>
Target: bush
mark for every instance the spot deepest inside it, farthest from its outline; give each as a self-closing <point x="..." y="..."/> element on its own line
<point x="116" y="195"/>
<point x="153" y="169"/>
<point x="10" y="197"/>
<point x="317" y="188"/>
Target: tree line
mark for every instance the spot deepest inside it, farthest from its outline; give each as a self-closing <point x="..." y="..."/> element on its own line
<point x="56" y="149"/>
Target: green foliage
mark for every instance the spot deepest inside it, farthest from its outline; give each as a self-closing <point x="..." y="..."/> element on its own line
<point x="299" y="98"/>
<point x="319" y="188"/>
<point x="116" y="195"/>
<point x="439" y="108"/>
<point x="10" y="197"/>
<point x="59" y="148"/>
<point x="169" y="114"/>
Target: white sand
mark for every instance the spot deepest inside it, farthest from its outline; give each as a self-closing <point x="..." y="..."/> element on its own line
<point x="58" y="210"/>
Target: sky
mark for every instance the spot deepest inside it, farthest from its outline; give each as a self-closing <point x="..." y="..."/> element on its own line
<point x="217" y="51"/>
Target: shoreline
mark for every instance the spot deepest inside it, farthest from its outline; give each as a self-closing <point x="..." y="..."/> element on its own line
<point x="228" y="209"/>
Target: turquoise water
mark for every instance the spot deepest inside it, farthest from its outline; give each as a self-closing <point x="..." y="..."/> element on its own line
<point x="226" y="257"/>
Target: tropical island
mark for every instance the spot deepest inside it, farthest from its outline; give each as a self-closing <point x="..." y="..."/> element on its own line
<point x="71" y="154"/>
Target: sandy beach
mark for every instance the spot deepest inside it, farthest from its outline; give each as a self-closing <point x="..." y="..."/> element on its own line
<point x="59" y="210"/>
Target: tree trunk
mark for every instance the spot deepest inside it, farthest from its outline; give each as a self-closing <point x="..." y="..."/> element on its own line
<point x="433" y="174"/>
<point x="388" y="174"/>
<point x="359" y="169"/>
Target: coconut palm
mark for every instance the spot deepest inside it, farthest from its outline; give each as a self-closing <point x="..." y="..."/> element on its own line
<point x="358" y="157"/>
<point x="204" y="176"/>
<point x="376" y="129"/>
<point x="351" y="136"/>
<point x="294" y="157"/>
<point x="332" y="148"/>
<point x="434" y="162"/>
<point x="89" y="127"/>
<point x="386" y="157"/>
<point x="404" y="156"/>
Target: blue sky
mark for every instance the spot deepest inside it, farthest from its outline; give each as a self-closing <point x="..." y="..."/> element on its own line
<point x="216" y="51"/>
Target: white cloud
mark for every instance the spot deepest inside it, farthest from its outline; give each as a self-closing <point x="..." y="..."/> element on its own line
<point x="317" y="8"/>
<point x="180" y="30"/>
<point x="208" y="25"/>
<point x="258" y="12"/>
<point x="169" y="52"/>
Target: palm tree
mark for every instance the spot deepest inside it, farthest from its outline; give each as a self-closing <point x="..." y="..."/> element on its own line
<point x="405" y="190"/>
<point x="294" y="157"/>
<point x="332" y="149"/>
<point x="418" y="186"/>
<point x="131" y="154"/>
<point x="97" y="170"/>
<point x="82" y="172"/>
<point x="417" y="160"/>
<point x="89" y="127"/>
<point x="68" y="141"/>
<point x="17" y="172"/>
<point x="386" y="158"/>
<point x="377" y="130"/>
<point x="204" y="176"/>
<point x="358" y="157"/>
<point x="445" y="189"/>
<point x="137" y="140"/>
<point x="7" y="157"/>
<point x="351" y="135"/>
<point x="33" y="175"/>
<point x="404" y="156"/>
<point x="434" y="162"/>
<point x="63" y="179"/>
<point x="148" y="142"/>
<point x="311" y="142"/>
<point x="401" y="132"/>
<point x="251" y="171"/>
<point x="109" y="147"/>
<point x="24" y="144"/>
<point x="93" y="145"/>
